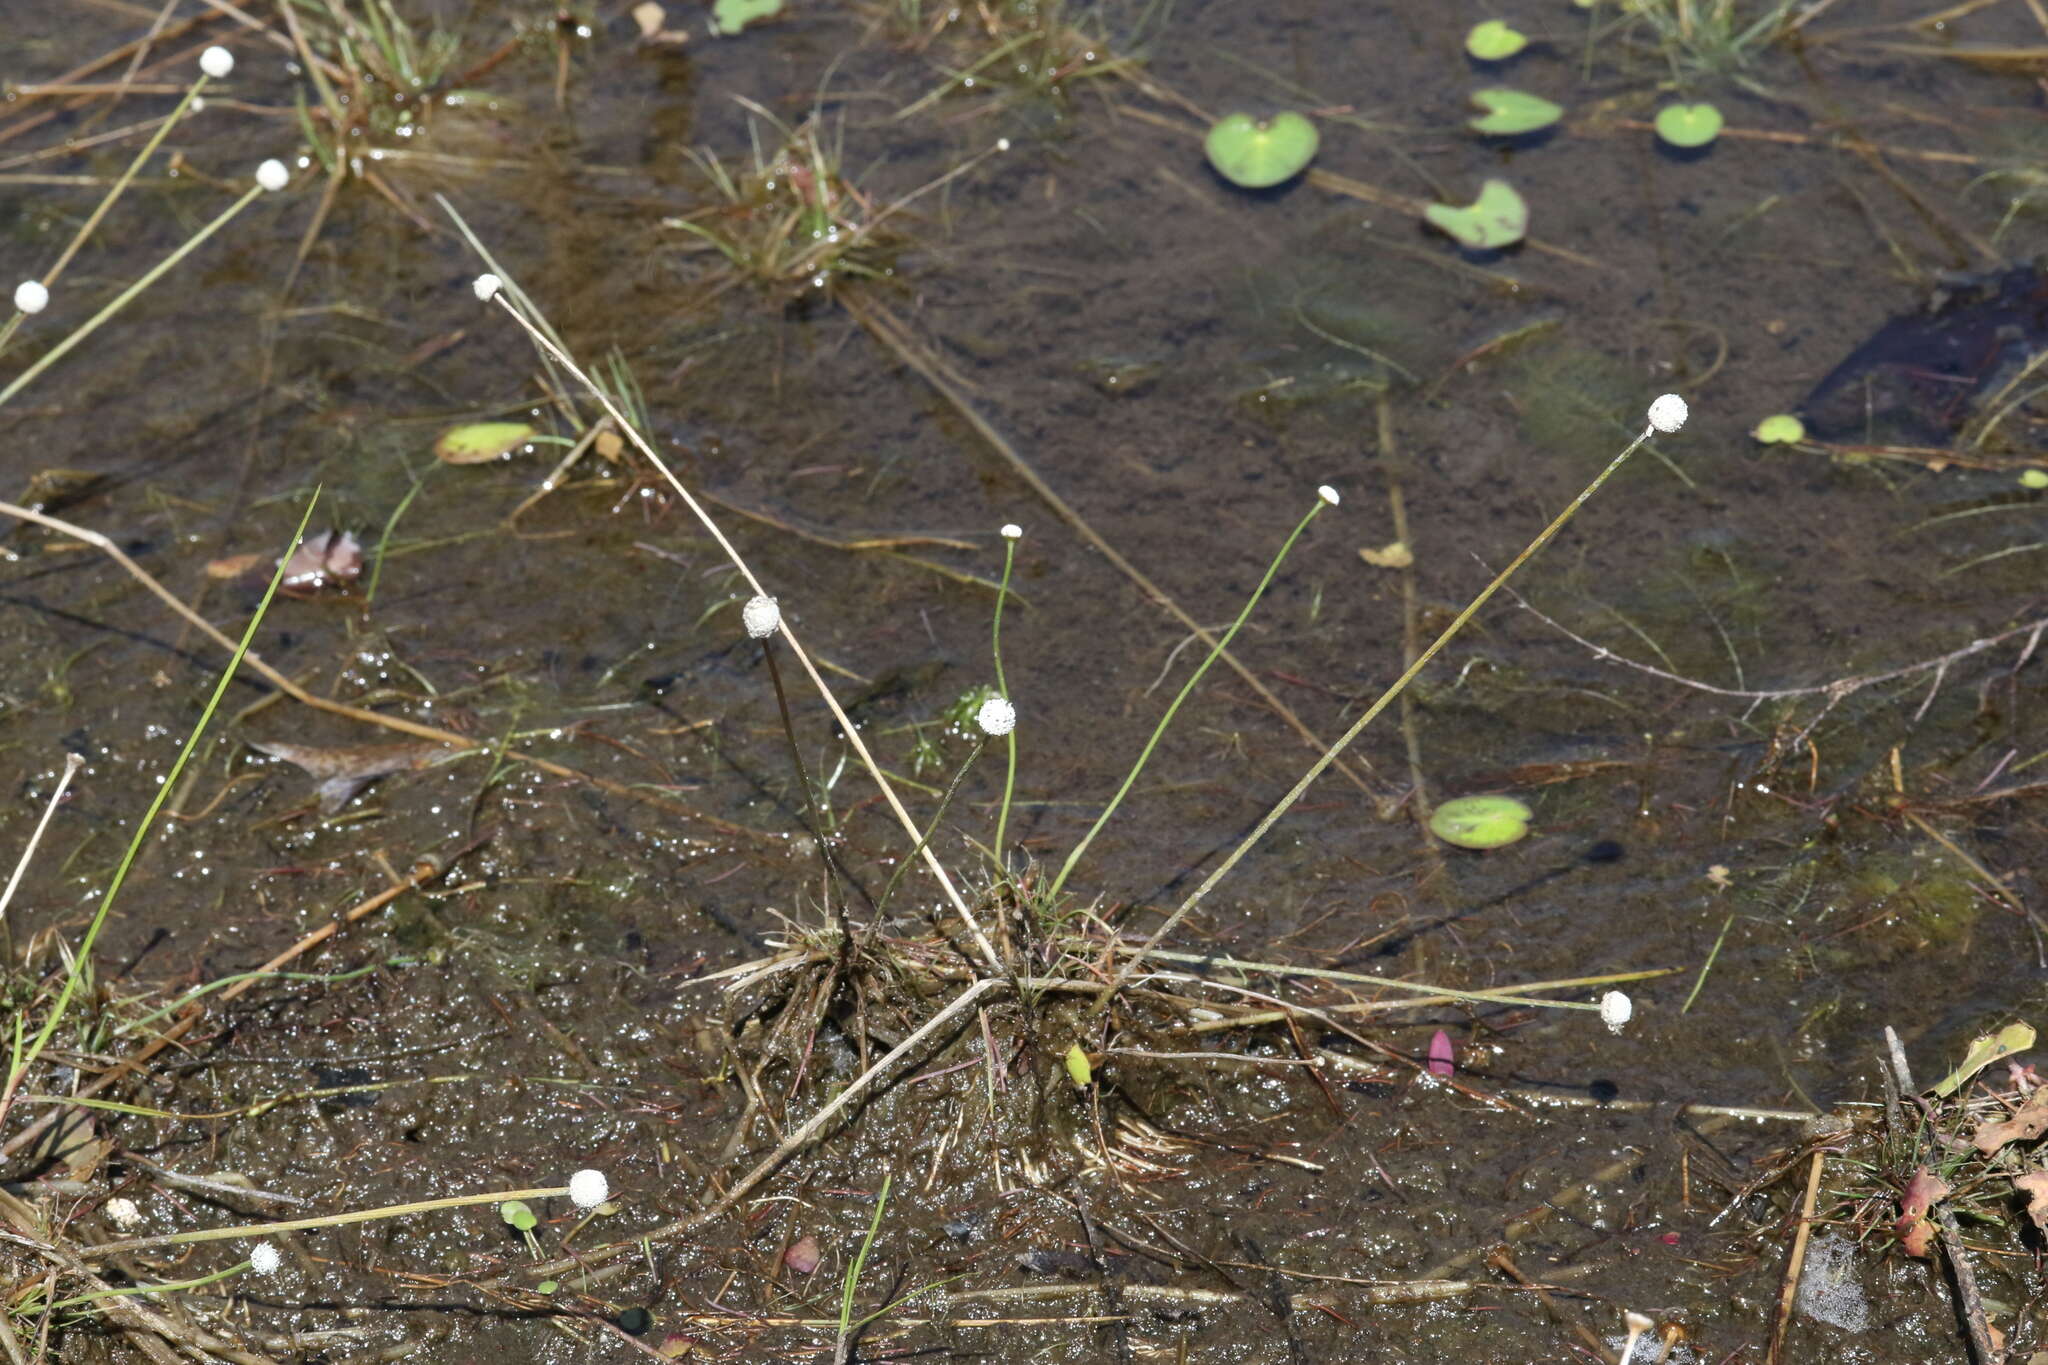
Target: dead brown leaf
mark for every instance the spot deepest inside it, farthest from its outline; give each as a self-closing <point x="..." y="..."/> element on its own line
<point x="2034" y="1185"/>
<point x="2027" y="1123"/>
<point x="653" y="22"/>
<point x="234" y="566"/>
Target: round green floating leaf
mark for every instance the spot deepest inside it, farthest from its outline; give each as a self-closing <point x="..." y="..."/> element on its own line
<point x="1498" y="218"/>
<point x="516" y="1213"/>
<point x="1480" y="821"/>
<point x="730" y="16"/>
<point x="1510" y="113"/>
<point x="1689" y="125"/>
<point x="547" y="1287"/>
<point x="1494" y="41"/>
<point x="481" y="442"/>
<point x="1781" y="429"/>
<point x="1259" y="153"/>
<point x="2034" y="478"/>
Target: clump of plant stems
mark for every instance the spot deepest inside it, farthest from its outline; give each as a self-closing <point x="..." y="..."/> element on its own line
<point x="1015" y="932"/>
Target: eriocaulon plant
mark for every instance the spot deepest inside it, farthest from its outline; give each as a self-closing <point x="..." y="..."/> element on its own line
<point x="1326" y="496"/>
<point x="1666" y="415"/>
<point x="494" y="289"/>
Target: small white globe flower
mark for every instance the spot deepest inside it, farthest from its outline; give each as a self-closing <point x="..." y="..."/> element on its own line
<point x="486" y="286"/>
<point x="761" y="616"/>
<point x="272" y="175"/>
<point x="1011" y="530"/>
<point x="217" y="62"/>
<point x="1328" y="495"/>
<point x="996" y="717"/>
<point x="264" y="1258"/>
<point x="588" y="1189"/>
<point x="1668" y="413"/>
<point x="1616" y="1009"/>
<point x="31" y="297"/>
<point x="124" y="1214"/>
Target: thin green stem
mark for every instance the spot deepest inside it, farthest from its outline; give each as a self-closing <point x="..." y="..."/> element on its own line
<point x="82" y="958"/>
<point x="860" y="1259"/>
<point x="1329" y="755"/>
<point x="1159" y="730"/>
<point x="327" y="1220"/>
<point x="1002" y="686"/>
<point x="126" y="296"/>
<point x="169" y="1288"/>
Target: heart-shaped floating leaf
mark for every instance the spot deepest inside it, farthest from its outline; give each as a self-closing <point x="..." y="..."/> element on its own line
<point x="1779" y="429"/>
<point x="1510" y="113"/>
<point x="1689" y="125"/>
<point x="1498" y="218"/>
<point x="481" y="442"/>
<point x="1494" y="41"/>
<point x="730" y="16"/>
<point x="1258" y="153"/>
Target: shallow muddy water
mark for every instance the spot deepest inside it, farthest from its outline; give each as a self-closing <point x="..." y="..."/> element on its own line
<point x="1750" y="770"/>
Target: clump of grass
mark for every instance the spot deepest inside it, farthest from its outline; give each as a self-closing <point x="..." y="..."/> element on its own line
<point x="1700" y="42"/>
<point x="1032" y="48"/>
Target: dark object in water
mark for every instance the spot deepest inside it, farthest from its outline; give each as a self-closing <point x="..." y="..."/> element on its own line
<point x="1917" y="379"/>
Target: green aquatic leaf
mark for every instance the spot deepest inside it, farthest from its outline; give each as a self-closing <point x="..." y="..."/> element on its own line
<point x="1779" y="429"/>
<point x="1510" y="113"/>
<point x="1259" y="153"/>
<point x="481" y="442"/>
<point x="2034" y="478"/>
<point x="1480" y="821"/>
<point x="1689" y="125"/>
<point x="1498" y="218"/>
<point x="1983" y="1052"/>
<point x="1494" y="41"/>
<point x="730" y="16"/>
<point x="1078" y="1069"/>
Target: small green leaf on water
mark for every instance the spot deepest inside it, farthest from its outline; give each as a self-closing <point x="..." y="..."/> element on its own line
<point x="1480" y="821"/>
<point x="516" y="1213"/>
<point x="1780" y="429"/>
<point x="1078" y="1070"/>
<point x="1689" y="125"/>
<point x="546" y="1287"/>
<point x="1498" y="218"/>
<point x="1494" y="41"/>
<point x="1258" y="154"/>
<point x="2034" y="478"/>
<point x="730" y="16"/>
<point x="1510" y="113"/>
<point x="481" y="442"/>
<point x="1983" y="1052"/>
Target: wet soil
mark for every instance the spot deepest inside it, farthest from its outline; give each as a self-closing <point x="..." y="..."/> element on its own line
<point x="1183" y="363"/>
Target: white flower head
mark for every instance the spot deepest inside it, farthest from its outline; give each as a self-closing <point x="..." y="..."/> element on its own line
<point x="996" y="717"/>
<point x="1327" y="494"/>
<point x="217" y="62"/>
<point x="588" y="1189"/>
<point x="761" y="616"/>
<point x="264" y="1258"/>
<point x="1011" y="530"/>
<point x="1616" y="1009"/>
<point x="272" y="175"/>
<point x="31" y="297"/>
<point x="486" y="286"/>
<point x="1668" y="413"/>
<point x="123" y="1213"/>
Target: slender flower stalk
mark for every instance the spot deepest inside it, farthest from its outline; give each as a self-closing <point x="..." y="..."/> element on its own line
<point x="214" y="63"/>
<point x="1011" y="532"/>
<point x="555" y="354"/>
<point x="1666" y="415"/>
<point x="1325" y="497"/>
<point x="128" y="295"/>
